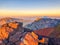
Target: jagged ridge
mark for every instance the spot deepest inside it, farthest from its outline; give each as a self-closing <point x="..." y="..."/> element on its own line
<point x="43" y="23"/>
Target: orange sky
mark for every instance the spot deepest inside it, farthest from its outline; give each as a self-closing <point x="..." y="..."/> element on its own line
<point x="40" y="12"/>
<point x="30" y="8"/>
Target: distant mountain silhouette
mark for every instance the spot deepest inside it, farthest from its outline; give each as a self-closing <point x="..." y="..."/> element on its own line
<point x="43" y="23"/>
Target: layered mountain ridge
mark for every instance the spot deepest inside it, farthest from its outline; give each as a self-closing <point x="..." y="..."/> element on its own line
<point x="12" y="31"/>
<point x="43" y="23"/>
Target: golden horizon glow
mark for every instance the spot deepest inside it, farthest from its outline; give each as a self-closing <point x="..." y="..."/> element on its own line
<point x="39" y="12"/>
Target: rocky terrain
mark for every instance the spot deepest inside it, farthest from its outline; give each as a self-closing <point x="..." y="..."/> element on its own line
<point x="43" y="23"/>
<point x="43" y="31"/>
<point x="13" y="33"/>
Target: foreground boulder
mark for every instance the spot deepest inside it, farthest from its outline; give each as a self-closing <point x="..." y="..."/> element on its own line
<point x="10" y="29"/>
<point x="14" y="34"/>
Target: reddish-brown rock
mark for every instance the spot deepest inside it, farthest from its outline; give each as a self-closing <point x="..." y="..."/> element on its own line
<point x="45" y="31"/>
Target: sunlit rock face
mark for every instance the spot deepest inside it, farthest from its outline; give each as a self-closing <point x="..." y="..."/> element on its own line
<point x="30" y="39"/>
<point x="3" y="34"/>
<point x="10" y="31"/>
<point x="13" y="33"/>
<point x="8" y="20"/>
<point x="6" y="29"/>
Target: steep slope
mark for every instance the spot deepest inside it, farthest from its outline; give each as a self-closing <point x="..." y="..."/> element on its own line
<point x="10" y="32"/>
<point x="45" y="31"/>
<point x="43" y="23"/>
<point x="56" y="32"/>
<point x="13" y="33"/>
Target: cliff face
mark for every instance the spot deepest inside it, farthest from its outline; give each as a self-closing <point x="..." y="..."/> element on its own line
<point x="9" y="30"/>
<point x="13" y="33"/>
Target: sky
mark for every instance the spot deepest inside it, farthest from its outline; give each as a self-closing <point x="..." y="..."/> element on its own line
<point x="29" y="7"/>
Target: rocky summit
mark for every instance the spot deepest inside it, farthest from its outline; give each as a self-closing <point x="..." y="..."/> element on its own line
<point x="10" y="32"/>
<point x="13" y="32"/>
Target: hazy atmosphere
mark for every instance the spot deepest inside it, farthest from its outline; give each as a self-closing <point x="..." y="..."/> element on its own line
<point x="29" y="7"/>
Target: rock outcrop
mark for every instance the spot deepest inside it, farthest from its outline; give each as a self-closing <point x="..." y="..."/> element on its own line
<point x="13" y="33"/>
